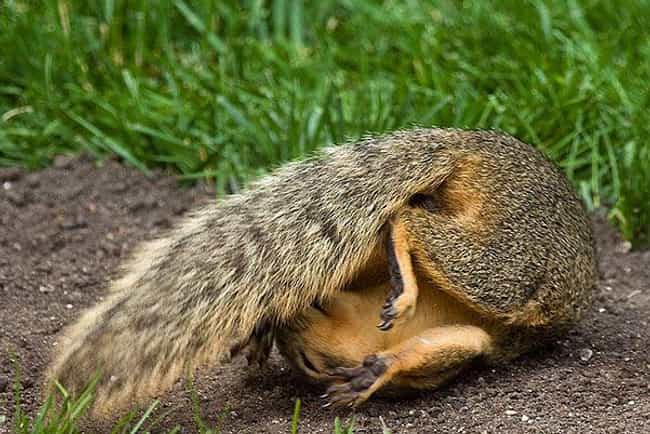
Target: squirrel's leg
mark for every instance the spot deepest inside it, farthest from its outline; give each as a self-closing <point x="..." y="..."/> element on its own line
<point x="422" y="362"/>
<point x="402" y="299"/>
<point x="257" y="347"/>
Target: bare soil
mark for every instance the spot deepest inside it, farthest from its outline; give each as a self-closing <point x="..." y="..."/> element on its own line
<point x="64" y="231"/>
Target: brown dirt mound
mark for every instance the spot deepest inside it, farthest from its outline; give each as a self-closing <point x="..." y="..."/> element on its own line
<point x="64" y="230"/>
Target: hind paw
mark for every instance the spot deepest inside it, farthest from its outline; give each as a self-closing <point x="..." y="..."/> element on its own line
<point x="353" y="386"/>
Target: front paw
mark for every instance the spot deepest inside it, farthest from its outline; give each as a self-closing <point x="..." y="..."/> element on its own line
<point x="395" y="308"/>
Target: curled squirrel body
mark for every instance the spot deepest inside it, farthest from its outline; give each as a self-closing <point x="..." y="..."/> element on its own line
<point x="489" y="222"/>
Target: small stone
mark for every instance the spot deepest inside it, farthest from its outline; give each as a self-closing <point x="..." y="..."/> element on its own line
<point x="624" y="247"/>
<point x="68" y="306"/>
<point x="411" y="412"/>
<point x="6" y="185"/>
<point x="510" y="412"/>
<point x="586" y="354"/>
<point x="602" y="310"/>
<point x="524" y="418"/>
<point x="631" y="403"/>
<point x="45" y="289"/>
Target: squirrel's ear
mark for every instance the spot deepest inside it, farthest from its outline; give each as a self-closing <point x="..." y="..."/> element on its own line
<point x="424" y="201"/>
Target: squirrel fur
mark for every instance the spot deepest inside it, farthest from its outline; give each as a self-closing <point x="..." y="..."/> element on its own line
<point x="500" y="247"/>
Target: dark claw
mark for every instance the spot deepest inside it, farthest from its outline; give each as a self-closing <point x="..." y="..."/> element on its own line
<point x="385" y="325"/>
<point x="388" y="316"/>
<point x="388" y="313"/>
<point x="356" y="381"/>
<point x="343" y="399"/>
<point x="391" y="312"/>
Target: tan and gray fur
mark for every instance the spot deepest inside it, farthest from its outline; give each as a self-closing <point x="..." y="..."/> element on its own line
<point x="499" y="246"/>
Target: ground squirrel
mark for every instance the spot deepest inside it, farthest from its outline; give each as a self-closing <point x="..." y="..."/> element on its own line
<point x="462" y="244"/>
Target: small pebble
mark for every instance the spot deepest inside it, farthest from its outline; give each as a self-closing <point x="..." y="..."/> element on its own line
<point x="68" y="306"/>
<point x="510" y="412"/>
<point x="45" y="289"/>
<point x="586" y="354"/>
<point x="525" y="418"/>
<point x="624" y="247"/>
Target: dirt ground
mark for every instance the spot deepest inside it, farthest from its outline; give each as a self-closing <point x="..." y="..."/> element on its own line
<point x="64" y="230"/>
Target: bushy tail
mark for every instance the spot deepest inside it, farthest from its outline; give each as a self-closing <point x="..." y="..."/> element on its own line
<point x="263" y="255"/>
<point x="144" y="336"/>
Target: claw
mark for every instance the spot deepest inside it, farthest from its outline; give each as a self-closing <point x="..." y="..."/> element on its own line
<point x="352" y="386"/>
<point x="385" y="325"/>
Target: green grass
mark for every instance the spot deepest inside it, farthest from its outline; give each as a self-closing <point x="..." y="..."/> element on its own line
<point x="227" y="89"/>
<point x="65" y="417"/>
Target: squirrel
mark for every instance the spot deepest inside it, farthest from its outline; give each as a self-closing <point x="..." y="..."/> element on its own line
<point x="466" y="245"/>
